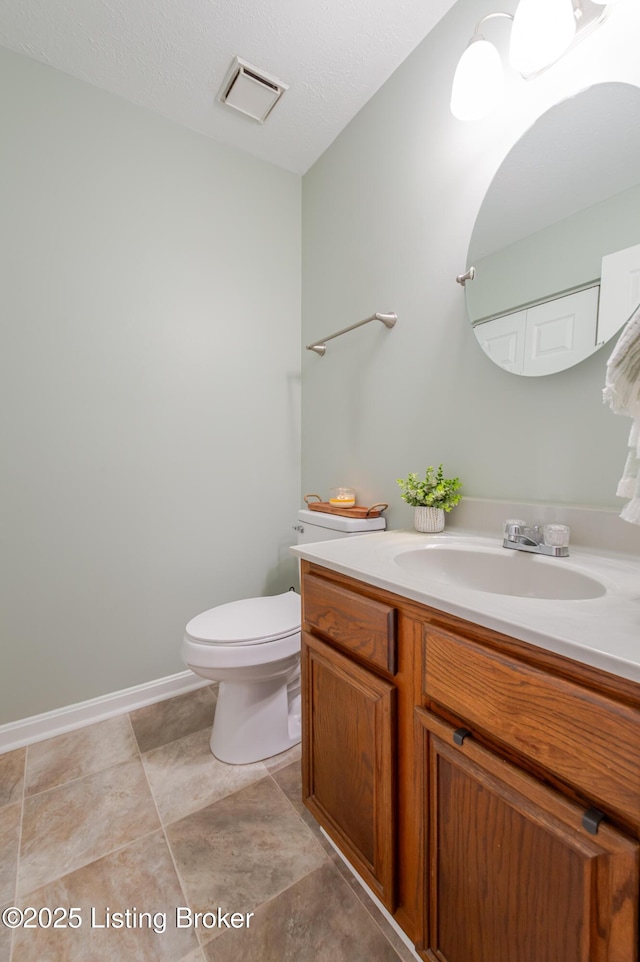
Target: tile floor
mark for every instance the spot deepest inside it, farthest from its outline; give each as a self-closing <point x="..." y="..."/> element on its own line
<point x="134" y="815"/>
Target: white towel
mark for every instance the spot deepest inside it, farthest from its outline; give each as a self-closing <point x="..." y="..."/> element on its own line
<point x="622" y="392"/>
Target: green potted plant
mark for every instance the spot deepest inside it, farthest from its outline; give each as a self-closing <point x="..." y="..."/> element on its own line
<point x="430" y="497"/>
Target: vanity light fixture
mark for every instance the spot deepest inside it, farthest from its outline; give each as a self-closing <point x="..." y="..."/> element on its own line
<point x="542" y="31"/>
<point x="478" y="83"/>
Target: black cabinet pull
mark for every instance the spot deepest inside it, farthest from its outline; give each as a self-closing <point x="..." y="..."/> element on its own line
<point x="591" y="820"/>
<point x="460" y="734"/>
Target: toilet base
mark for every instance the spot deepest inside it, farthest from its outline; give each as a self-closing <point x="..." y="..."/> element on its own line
<point x="255" y="721"/>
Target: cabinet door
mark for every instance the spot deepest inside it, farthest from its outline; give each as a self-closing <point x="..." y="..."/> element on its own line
<point x="347" y="760"/>
<point x="512" y="874"/>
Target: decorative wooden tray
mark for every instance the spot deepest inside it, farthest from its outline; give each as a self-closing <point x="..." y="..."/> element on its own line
<point x="357" y="511"/>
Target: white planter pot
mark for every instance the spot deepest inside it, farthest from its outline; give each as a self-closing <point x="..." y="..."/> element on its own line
<point x="429" y="519"/>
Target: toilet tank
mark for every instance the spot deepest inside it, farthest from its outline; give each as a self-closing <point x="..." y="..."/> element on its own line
<point x="317" y="526"/>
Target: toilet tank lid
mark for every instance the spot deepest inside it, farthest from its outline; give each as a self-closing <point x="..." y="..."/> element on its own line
<point x="337" y="522"/>
<point x="248" y="621"/>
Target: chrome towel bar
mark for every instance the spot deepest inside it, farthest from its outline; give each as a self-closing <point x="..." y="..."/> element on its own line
<point x="320" y="348"/>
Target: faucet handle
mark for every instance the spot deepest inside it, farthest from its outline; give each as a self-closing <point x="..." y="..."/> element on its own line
<point x="513" y="526"/>
<point x="557" y="535"/>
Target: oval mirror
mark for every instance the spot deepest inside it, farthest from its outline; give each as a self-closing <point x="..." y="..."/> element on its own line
<point x="555" y="249"/>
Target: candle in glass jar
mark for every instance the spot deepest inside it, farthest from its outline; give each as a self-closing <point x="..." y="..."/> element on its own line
<point x="342" y="497"/>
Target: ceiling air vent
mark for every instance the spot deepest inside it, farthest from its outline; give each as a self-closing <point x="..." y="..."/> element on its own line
<point x="250" y="90"/>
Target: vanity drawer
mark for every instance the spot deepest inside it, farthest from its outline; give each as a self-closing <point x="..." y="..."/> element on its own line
<point x="364" y="627"/>
<point x="586" y="739"/>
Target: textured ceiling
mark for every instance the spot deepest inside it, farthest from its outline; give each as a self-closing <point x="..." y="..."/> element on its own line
<point x="172" y="56"/>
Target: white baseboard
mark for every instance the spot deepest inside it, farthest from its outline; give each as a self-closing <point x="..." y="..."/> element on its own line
<point x="25" y="731"/>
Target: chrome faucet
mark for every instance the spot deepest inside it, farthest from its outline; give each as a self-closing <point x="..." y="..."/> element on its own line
<point x="525" y="537"/>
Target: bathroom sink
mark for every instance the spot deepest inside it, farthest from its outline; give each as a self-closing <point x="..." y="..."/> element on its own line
<point x="500" y="571"/>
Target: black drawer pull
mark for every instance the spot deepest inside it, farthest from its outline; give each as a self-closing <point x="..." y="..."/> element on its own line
<point x="591" y="820"/>
<point x="460" y="734"/>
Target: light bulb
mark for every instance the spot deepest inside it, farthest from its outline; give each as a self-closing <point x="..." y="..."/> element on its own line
<point x="478" y="82"/>
<point x="542" y="31"/>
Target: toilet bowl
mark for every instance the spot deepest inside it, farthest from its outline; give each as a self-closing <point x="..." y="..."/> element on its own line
<point x="252" y="648"/>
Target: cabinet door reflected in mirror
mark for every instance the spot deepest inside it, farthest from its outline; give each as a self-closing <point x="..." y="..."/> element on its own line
<point x="556" y="245"/>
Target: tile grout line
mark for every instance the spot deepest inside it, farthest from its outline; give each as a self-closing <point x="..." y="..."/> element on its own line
<point x="72" y="781"/>
<point x="161" y="828"/>
<point x="78" y="778"/>
<point x="111" y="851"/>
<point x="201" y="944"/>
<point x="137" y="756"/>
<point x="299" y="817"/>
<point x="164" y="832"/>
<point x="366" y="902"/>
<point x="206" y="804"/>
<point x="138" y="752"/>
<point x="327" y="860"/>
<point x="200" y="947"/>
<point x="267" y="774"/>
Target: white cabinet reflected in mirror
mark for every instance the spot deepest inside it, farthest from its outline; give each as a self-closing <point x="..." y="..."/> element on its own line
<point x="556" y="245"/>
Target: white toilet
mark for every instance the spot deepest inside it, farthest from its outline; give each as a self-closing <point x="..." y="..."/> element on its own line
<point x="252" y="647"/>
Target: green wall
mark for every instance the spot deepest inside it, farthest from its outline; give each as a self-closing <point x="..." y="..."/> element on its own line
<point x="149" y="380"/>
<point x="388" y="211"/>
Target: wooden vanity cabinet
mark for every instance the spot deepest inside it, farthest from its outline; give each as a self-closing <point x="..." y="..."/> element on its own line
<point x="348" y="772"/>
<point x="513" y="874"/>
<point x="531" y="795"/>
<point x="361" y="682"/>
<point x="349" y="645"/>
<point x="487" y="791"/>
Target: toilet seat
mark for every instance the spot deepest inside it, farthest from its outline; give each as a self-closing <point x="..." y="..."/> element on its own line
<point x="252" y="621"/>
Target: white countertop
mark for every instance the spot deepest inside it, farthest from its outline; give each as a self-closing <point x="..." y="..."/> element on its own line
<point x="603" y="631"/>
